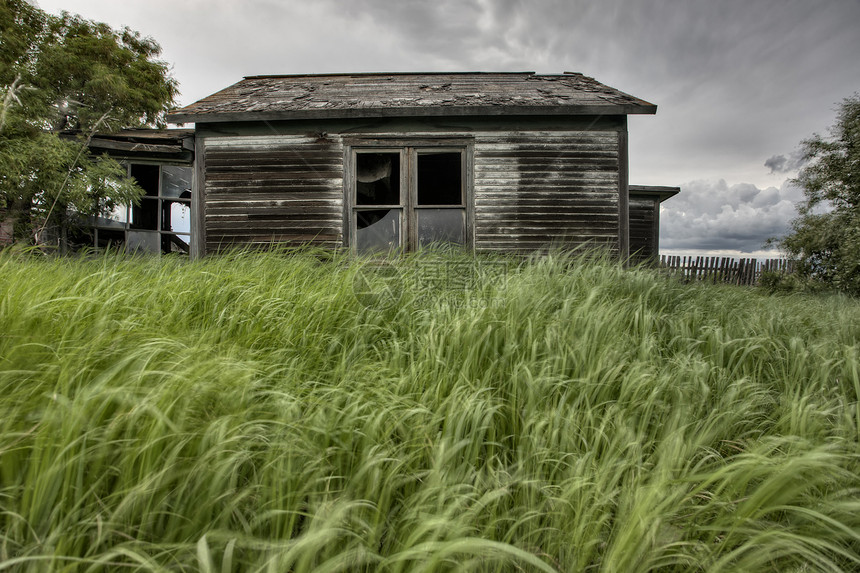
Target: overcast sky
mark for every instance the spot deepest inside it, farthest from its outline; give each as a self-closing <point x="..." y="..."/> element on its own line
<point x="738" y="83"/>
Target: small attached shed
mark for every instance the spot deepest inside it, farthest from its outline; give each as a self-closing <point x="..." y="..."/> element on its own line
<point x="645" y="220"/>
<point x="512" y="162"/>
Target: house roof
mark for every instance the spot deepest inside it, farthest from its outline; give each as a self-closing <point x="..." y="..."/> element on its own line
<point x="258" y="98"/>
<point x="653" y="191"/>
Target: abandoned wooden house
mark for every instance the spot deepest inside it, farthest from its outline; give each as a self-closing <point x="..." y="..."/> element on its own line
<point x="511" y="162"/>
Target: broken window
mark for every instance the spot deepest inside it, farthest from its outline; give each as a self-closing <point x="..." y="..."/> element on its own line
<point x="161" y="223"/>
<point x="407" y="198"/>
<point x="378" y="205"/>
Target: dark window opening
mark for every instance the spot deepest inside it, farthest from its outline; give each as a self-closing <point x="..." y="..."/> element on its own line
<point x="145" y="215"/>
<point x="440" y="179"/>
<point x="109" y="239"/>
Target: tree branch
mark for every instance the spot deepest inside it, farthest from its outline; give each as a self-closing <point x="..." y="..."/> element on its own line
<point x="69" y="174"/>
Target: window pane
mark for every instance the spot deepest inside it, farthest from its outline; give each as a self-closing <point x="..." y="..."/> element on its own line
<point x="171" y="243"/>
<point x="176" y="181"/>
<point x="176" y="216"/>
<point x="145" y="215"/>
<point x="441" y="225"/>
<point x="147" y="177"/>
<point x="440" y="179"/>
<point x="377" y="179"/>
<point x="377" y="230"/>
<point x="144" y="242"/>
<point x="109" y="239"/>
<point x="115" y="219"/>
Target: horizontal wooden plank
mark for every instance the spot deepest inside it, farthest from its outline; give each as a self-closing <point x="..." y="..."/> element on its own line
<point x="548" y="222"/>
<point x="493" y="211"/>
<point x="538" y="157"/>
<point x="567" y="185"/>
<point x="274" y="165"/>
<point x="503" y="155"/>
<point x="547" y="138"/>
<point x="223" y="210"/>
<point x="512" y="169"/>
<point x="269" y="141"/>
<point x="554" y="196"/>
<point x="532" y="244"/>
<point x="240" y="199"/>
<point x="269" y="200"/>
<point x="268" y="241"/>
<point x="309" y="214"/>
<point x="282" y="162"/>
<point x="272" y="175"/>
<point x="572" y="198"/>
<point x="244" y="147"/>
<point x="276" y="237"/>
<point x="552" y="230"/>
<point x="561" y="213"/>
<point x="268" y="186"/>
<point x="334" y="160"/>
<point x="248" y="228"/>
<point x="544" y="170"/>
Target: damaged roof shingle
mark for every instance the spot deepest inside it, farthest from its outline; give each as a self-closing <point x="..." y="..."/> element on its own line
<point x="410" y="94"/>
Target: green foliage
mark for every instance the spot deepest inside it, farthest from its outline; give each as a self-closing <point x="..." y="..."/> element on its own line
<point x="66" y="73"/>
<point x="249" y="412"/>
<point x="780" y="282"/>
<point x="826" y="235"/>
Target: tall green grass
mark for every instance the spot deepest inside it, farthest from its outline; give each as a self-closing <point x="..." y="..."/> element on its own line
<point x="249" y="413"/>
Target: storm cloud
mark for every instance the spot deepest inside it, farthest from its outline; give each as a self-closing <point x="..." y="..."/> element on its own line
<point x="738" y="84"/>
<point x="713" y="215"/>
<point x="783" y="164"/>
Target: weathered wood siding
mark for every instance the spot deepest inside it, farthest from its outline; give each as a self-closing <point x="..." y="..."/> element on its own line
<point x="260" y="190"/>
<point x="538" y="189"/>
<point x="531" y="189"/>
<point x="644" y="224"/>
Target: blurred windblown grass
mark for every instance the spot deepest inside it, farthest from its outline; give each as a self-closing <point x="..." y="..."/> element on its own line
<point x="249" y="413"/>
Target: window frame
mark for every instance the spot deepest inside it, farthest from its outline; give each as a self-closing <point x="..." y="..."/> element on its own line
<point x="409" y="150"/>
<point x="128" y="229"/>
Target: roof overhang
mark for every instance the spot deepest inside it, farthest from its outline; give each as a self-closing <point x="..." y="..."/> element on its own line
<point x="658" y="192"/>
<point x="142" y="144"/>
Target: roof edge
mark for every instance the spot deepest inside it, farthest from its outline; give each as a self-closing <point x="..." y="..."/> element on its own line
<point x="663" y="192"/>
<point x="644" y="108"/>
<point x="370" y="74"/>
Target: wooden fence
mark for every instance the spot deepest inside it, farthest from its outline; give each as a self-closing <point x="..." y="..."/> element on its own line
<point x="724" y="269"/>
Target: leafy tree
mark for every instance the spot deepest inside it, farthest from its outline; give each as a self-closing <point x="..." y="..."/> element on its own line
<point x="67" y="74"/>
<point x="825" y="237"/>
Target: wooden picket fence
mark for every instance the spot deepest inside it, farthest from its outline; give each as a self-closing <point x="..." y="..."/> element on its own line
<point x="724" y="269"/>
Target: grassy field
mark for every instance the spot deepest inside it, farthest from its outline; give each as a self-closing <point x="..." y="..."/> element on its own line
<point x="277" y="413"/>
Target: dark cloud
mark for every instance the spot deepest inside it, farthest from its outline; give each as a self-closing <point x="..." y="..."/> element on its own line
<point x="734" y="80"/>
<point x="783" y="164"/>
